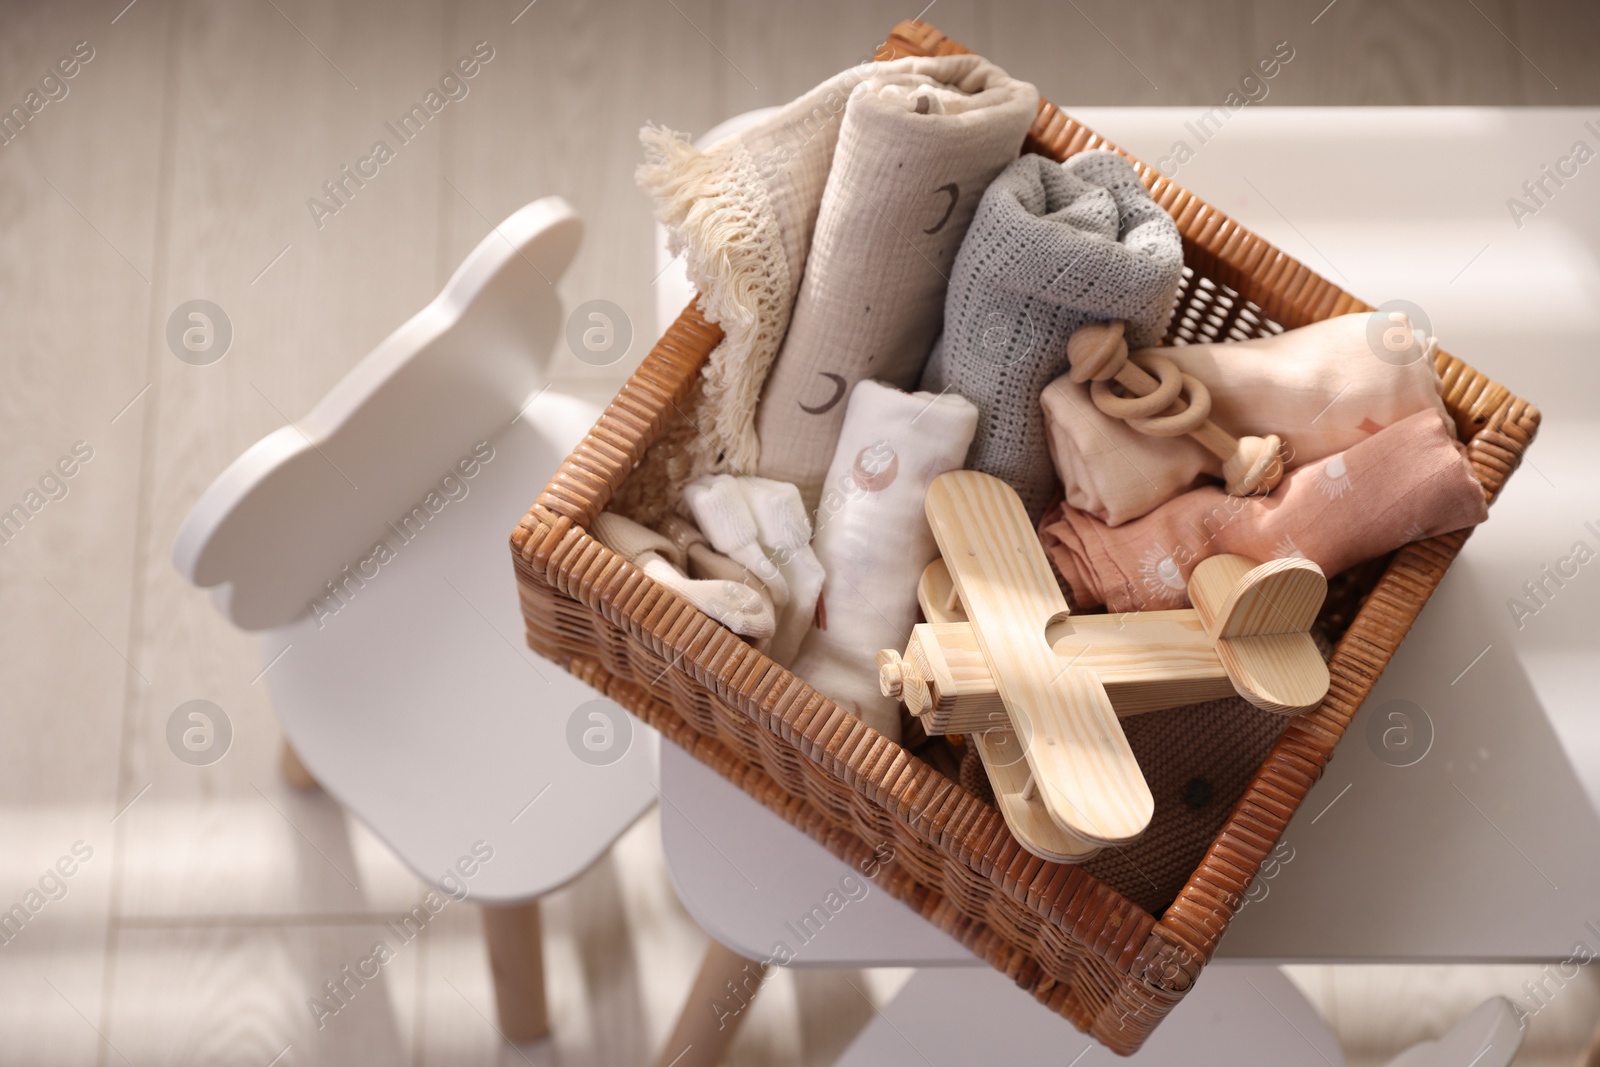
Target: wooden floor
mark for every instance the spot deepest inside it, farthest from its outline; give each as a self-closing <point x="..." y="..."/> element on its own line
<point x="207" y="905"/>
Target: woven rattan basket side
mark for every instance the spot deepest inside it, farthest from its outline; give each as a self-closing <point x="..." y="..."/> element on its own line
<point x="1111" y="967"/>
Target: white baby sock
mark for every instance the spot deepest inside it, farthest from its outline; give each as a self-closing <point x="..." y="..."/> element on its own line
<point x="730" y="602"/>
<point x="707" y="562"/>
<point x="785" y="533"/>
<point x="873" y="538"/>
<point x="719" y="509"/>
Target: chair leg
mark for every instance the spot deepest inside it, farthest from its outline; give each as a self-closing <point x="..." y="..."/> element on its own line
<point x="516" y="958"/>
<point x="1591" y="1055"/>
<point x="706" y="1026"/>
<point x="293" y="771"/>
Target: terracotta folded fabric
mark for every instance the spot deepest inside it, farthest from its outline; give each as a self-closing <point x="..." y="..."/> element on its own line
<point x="1402" y="484"/>
<point x="1322" y="388"/>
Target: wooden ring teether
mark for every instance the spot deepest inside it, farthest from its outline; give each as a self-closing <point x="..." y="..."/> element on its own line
<point x="1169" y="386"/>
<point x="1098" y="353"/>
<point x="1194" y="394"/>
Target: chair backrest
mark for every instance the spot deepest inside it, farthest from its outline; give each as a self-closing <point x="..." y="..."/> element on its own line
<point x="1489" y="1035"/>
<point x="284" y="519"/>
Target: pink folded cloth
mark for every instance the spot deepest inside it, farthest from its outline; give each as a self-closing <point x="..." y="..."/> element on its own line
<point x="1402" y="484"/>
<point x="1321" y="388"/>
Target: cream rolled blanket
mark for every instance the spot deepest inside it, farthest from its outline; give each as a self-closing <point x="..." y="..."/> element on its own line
<point x="1322" y="389"/>
<point x="1407" y="482"/>
<point x="914" y="157"/>
<point x="1053" y="246"/>
<point x="873" y="539"/>
<point x="743" y="213"/>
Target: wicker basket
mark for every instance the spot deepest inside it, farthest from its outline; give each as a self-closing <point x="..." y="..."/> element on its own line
<point x="1111" y="945"/>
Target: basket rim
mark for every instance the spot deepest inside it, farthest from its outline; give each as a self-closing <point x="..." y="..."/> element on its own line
<point x="550" y="542"/>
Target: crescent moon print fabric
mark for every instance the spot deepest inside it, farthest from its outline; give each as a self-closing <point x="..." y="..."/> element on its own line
<point x="1053" y="246"/>
<point x="873" y="538"/>
<point x="1320" y="388"/>
<point x="1402" y="484"/>
<point x="915" y="153"/>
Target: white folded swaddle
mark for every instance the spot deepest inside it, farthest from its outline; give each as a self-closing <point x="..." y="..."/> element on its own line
<point x="874" y="540"/>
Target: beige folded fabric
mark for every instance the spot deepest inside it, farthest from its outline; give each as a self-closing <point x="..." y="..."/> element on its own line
<point x="1321" y="388"/>
<point x="1402" y="484"/>
<point x="743" y="212"/>
<point x="915" y="153"/>
<point x="730" y="602"/>
<point x="705" y="561"/>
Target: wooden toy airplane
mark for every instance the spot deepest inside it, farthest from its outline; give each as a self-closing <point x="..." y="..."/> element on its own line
<point x="1039" y="690"/>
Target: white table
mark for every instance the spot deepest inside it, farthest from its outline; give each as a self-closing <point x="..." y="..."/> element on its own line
<point x="1485" y="849"/>
<point x="1242" y="1017"/>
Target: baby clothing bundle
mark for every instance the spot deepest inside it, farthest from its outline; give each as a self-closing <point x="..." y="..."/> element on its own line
<point x="720" y="594"/>
<point x="762" y="525"/>
<point x="881" y="234"/>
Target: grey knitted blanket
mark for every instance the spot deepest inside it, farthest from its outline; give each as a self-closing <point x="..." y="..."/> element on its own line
<point x="1052" y="246"/>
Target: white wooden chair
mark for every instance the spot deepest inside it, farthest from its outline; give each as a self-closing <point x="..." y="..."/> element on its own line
<point x="367" y="542"/>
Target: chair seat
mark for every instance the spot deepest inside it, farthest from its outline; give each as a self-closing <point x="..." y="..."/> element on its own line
<point x="751" y="880"/>
<point x="417" y="704"/>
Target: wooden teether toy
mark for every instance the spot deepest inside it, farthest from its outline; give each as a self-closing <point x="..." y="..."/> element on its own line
<point x="1040" y="690"/>
<point x="1163" y="401"/>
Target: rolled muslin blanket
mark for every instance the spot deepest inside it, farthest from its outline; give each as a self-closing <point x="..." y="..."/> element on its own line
<point x="1322" y="388"/>
<point x="914" y="157"/>
<point x="873" y="538"/>
<point x="1052" y="246"/>
<point x="921" y="137"/>
<point x="732" y="603"/>
<point x="1400" y="485"/>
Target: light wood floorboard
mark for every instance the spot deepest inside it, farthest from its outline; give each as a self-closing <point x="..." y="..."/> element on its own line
<point x="179" y="166"/>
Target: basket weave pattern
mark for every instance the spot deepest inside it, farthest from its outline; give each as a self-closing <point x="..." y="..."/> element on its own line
<point x="1081" y="947"/>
